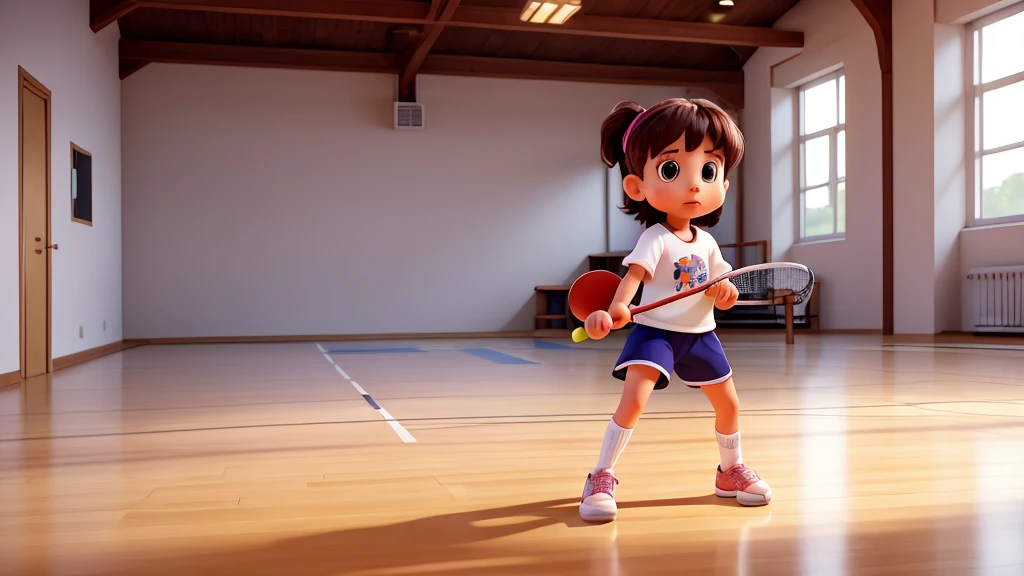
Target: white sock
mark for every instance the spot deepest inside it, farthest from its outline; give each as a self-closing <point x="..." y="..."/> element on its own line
<point x="615" y="440"/>
<point x="729" y="449"/>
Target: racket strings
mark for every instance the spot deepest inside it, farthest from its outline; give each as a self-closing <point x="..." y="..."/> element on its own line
<point x="765" y="283"/>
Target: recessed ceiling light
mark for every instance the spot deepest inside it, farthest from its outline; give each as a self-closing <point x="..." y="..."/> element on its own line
<point x="726" y="3"/>
<point x="555" y="12"/>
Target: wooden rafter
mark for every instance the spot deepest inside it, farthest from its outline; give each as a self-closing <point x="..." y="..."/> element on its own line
<point x="727" y="84"/>
<point x="105" y="12"/>
<point x="258" y="56"/>
<point x="406" y="79"/>
<point x="632" y="28"/>
<point x="408" y="12"/>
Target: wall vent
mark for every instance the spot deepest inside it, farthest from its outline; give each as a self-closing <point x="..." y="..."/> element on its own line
<point x="408" y="116"/>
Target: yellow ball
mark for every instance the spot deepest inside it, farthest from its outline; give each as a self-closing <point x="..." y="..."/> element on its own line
<point x="579" y="335"/>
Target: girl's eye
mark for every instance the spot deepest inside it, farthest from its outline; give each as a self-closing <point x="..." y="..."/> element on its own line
<point x="668" y="171"/>
<point x="709" y="172"/>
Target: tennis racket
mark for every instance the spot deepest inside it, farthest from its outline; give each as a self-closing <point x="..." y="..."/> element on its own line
<point x="768" y="283"/>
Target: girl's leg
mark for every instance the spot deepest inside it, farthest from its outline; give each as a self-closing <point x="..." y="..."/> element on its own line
<point x="727" y="421"/>
<point x="598" y="502"/>
<point x="734" y="479"/>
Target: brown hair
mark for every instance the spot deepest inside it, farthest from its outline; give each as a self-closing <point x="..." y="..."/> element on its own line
<point x="663" y="124"/>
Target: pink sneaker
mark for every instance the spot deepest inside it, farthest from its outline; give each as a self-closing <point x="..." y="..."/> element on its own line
<point x="743" y="484"/>
<point x="598" y="501"/>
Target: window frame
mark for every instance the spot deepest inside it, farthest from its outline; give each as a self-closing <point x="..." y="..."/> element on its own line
<point x="76" y="149"/>
<point x="974" y="109"/>
<point x="833" y="178"/>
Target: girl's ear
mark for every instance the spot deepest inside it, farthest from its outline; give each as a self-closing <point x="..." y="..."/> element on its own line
<point x="726" y="186"/>
<point x="631" y="185"/>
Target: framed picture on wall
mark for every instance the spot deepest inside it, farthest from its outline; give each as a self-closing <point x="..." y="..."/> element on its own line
<point x="81" y="185"/>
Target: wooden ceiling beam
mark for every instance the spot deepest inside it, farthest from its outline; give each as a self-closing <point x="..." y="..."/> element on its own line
<point x="406" y="80"/>
<point x="408" y="12"/>
<point x="727" y="84"/>
<point x="632" y="28"/>
<point x="103" y="13"/>
<point x="258" y="56"/>
<point x="389" y="11"/>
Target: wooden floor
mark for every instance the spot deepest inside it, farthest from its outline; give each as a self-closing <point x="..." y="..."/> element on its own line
<point x="265" y="459"/>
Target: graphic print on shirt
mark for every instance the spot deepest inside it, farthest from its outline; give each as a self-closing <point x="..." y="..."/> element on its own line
<point x="690" y="272"/>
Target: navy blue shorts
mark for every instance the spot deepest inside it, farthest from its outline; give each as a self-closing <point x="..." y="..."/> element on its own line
<point x="698" y="359"/>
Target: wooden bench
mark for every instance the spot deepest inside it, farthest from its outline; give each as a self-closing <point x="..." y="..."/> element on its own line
<point x="552" y="307"/>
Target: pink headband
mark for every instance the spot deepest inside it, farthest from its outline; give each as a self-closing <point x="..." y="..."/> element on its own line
<point x="631" y="126"/>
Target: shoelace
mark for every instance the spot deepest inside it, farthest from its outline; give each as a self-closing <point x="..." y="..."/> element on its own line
<point x="745" y="474"/>
<point x="604" y="482"/>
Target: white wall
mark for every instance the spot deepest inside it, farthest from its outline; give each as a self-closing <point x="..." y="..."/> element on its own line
<point x="914" y="167"/>
<point x="51" y="39"/>
<point x="963" y="11"/>
<point x="982" y="246"/>
<point x="834" y="34"/>
<point x="271" y="202"/>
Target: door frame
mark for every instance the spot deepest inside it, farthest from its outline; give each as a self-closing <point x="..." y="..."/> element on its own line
<point x="25" y="80"/>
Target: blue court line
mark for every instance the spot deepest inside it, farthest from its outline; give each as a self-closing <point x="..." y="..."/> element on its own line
<point x="375" y="351"/>
<point x="495" y="356"/>
<point x="547" y="345"/>
<point x="370" y="401"/>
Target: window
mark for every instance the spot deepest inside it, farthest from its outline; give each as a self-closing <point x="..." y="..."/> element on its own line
<point x="996" y="135"/>
<point x="81" y="185"/>
<point x="822" y="130"/>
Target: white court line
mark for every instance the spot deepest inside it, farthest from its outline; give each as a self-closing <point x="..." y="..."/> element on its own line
<point x="398" y="428"/>
<point x="358" y="387"/>
<point x="395" y="424"/>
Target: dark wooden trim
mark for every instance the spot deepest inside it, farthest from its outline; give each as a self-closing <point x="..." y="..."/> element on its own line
<point x="727" y="84"/>
<point x="103" y="14"/>
<point x="258" y="56"/>
<point x="10" y="379"/>
<point x="409" y="12"/>
<point x="406" y="79"/>
<point x="92" y="354"/>
<point x="878" y="14"/>
<point x="632" y="28"/>
<point x="80" y="150"/>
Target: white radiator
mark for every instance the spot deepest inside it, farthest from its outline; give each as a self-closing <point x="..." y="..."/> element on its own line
<point x="997" y="298"/>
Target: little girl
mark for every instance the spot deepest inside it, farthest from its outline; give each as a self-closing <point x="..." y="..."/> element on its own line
<point x="674" y="158"/>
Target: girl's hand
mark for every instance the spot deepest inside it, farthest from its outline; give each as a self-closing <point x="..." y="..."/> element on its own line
<point x="620" y="315"/>
<point x="600" y="323"/>
<point x="724" y="293"/>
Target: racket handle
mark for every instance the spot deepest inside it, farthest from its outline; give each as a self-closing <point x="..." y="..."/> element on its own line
<point x="579" y="335"/>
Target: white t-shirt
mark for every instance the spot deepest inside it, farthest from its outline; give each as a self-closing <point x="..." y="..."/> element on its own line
<point x="674" y="266"/>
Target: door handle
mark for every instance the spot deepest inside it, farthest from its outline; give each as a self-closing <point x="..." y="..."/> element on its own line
<point x="47" y="247"/>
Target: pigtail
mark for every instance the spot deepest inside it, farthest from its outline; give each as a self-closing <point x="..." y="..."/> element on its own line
<point x="612" y="131"/>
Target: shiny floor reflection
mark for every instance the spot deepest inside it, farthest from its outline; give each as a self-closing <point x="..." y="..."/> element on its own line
<point x="265" y="459"/>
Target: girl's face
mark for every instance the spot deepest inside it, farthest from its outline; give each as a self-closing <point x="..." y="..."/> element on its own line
<point x="682" y="184"/>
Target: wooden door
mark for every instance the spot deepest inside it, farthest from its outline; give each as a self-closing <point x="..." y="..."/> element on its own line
<point x="34" y="146"/>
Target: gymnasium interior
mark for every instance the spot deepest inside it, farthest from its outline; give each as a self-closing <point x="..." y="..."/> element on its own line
<point x="284" y="287"/>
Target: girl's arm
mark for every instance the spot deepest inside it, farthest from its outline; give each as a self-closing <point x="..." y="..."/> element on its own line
<point x="619" y="310"/>
<point x="601" y="322"/>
